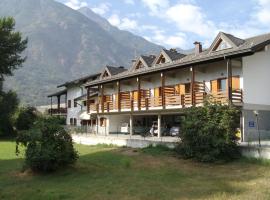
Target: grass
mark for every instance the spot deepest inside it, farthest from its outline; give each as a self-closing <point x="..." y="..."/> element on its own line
<point x="106" y="172"/>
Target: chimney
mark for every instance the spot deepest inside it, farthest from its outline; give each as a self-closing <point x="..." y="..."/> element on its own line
<point x="198" y="48"/>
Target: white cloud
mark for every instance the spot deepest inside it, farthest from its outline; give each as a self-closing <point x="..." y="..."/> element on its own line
<point x="124" y="23"/>
<point x="76" y="4"/>
<point x="263" y="12"/>
<point x="190" y="18"/>
<point x="102" y="8"/>
<point x="131" y="2"/>
<point x="156" y="6"/>
<point x="162" y="38"/>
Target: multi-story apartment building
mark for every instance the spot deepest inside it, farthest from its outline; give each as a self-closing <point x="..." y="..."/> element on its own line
<point x="75" y="96"/>
<point x="157" y="87"/>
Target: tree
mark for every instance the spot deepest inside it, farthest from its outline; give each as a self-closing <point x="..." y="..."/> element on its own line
<point x="209" y="132"/>
<point x="11" y="47"/>
<point x="26" y="118"/>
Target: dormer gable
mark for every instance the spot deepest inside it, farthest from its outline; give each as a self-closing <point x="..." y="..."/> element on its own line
<point x="225" y="41"/>
<point x="162" y="58"/>
<point x="143" y="62"/>
<point x="106" y="73"/>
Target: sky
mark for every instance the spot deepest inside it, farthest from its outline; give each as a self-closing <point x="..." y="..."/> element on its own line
<point x="179" y="23"/>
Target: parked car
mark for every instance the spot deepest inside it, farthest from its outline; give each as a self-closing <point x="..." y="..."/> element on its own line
<point x="175" y="131"/>
<point x="124" y="128"/>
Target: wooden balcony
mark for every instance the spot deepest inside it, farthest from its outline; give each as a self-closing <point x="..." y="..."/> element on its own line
<point x="170" y="101"/>
<point x="56" y="111"/>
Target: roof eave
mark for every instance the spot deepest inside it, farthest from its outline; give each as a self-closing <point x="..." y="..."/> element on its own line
<point x="234" y="54"/>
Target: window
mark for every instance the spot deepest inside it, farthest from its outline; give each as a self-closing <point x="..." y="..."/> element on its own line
<point x="69" y="103"/>
<point x="75" y="104"/>
<point x="140" y="65"/>
<point x="71" y="121"/>
<point x="187" y="88"/>
<point x="75" y="122"/>
<point x="84" y="103"/>
<point x="222" y="84"/>
<point x="103" y="122"/>
<point x="222" y="45"/>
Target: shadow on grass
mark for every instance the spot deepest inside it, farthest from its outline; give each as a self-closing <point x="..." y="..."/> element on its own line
<point x="122" y="173"/>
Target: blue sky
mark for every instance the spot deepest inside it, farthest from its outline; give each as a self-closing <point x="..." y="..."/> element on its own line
<point x="178" y="23"/>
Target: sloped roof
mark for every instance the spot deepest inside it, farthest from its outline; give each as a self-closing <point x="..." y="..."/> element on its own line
<point x="173" y="54"/>
<point x="248" y="47"/>
<point x="237" y="41"/>
<point x="59" y="93"/>
<point x="115" y="70"/>
<point x="80" y="80"/>
<point x="148" y="59"/>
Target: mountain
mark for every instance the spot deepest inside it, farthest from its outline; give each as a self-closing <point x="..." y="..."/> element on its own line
<point x="123" y="37"/>
<point x="65" y="44"/>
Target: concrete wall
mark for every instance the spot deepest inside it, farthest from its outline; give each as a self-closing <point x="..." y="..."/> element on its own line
<point x="72" y="93"/>
<point x="256" y="70"/>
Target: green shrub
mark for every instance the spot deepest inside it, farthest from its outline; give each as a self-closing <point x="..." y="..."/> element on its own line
<point x="48" y="146"/>
<point x="209" y="133"/>
<point x="26" y="118"/>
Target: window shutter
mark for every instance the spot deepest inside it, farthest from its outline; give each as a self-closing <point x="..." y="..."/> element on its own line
<point x="182" y="89"/>
<point x="235" y="83"/>
<point x="156" y="92"/>
<point x="214" y="86"/>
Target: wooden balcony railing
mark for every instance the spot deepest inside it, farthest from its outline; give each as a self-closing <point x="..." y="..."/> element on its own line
<point x="56" y="111"/>
<point x="173" y="100"/>
<point x="170" y="100"/>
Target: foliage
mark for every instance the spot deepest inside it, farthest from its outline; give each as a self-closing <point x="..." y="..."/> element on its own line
<point x="209" y="132"/>
<point x="11" y="47"/>
<point x="48" y="146"/>
<point x="158" y="150"/>
<point x="26" y="118"/>
<point x="8" y="106"/>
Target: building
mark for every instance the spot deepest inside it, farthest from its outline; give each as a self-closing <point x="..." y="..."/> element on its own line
<point x="157" y="87"/>
<point x="75" y="95"/>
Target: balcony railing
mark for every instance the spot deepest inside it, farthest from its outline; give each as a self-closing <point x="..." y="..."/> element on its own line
<point x="56" y="111"/>
<point x="170" y="101"/>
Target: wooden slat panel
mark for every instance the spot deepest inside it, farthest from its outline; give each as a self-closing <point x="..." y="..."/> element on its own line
<point x="235" y="83"/>
<point x="214" y="86"/>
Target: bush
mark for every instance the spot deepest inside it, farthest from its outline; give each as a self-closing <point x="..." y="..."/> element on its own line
<point x="209" y="133"/>
<point x="26" y="118"/>
<point x="48" y="146"/>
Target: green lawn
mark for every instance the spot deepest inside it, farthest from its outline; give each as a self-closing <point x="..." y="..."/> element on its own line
<point x="122" y="173"/>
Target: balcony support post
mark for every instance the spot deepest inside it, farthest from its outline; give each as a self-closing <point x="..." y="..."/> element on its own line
<point x="58" y="104"/>
<point x="139" y="92"/>
<point x="51" y="106"/>
<point x="131" y="125"/>
<point x="119" y="96"/>
<point x="88" y="100"/>
<point x="159" y="125"/>
<point x="229" y="80"/>
<point x="192" y="85"/>
<point x="162" y="75"/>
<point x="102" y="98"/>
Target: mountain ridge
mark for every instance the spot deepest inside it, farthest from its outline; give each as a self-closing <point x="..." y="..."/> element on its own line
<point x="63" y="45"/>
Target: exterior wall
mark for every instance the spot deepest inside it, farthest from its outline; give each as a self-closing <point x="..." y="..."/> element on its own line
<point x="113" y="124"/>
<point x="72" y="93"/>
<point x="256" y="70"/>
<point x="256" y="96"/>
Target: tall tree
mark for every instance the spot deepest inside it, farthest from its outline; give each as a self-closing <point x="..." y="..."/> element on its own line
<point x="11" y="47"/>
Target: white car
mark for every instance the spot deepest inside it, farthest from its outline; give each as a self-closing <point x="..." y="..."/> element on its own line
<point x="124" y="128"/>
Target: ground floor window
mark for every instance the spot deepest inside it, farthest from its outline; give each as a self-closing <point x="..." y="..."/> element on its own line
<point x="75" y="122"/>
<point x="71" y="121"/>
<point x="103" y="121"/>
